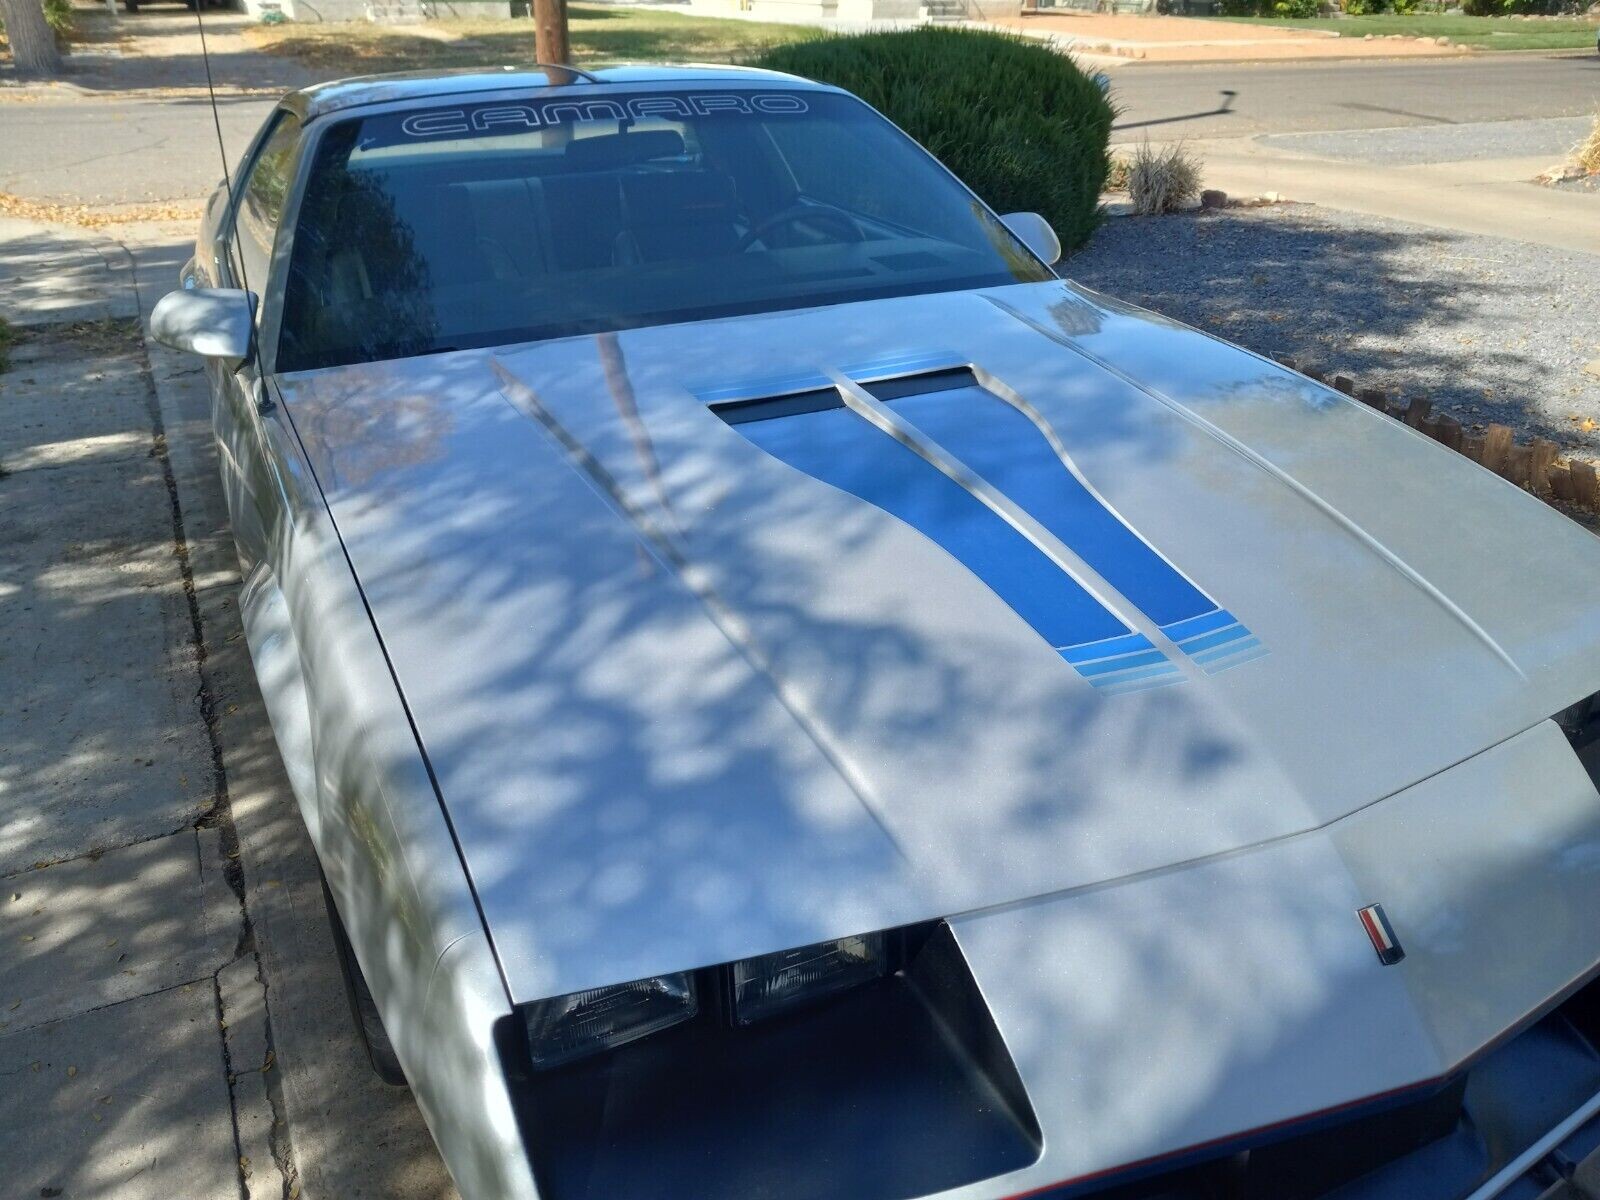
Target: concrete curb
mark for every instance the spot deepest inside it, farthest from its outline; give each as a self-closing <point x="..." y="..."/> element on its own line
<point x="1115" y="204"/>
<point x="242" y="1000"/>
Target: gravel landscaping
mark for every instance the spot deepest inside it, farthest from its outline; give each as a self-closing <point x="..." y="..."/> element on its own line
<point x="1491" y="329"/>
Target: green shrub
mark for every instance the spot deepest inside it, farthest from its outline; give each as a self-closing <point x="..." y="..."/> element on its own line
<point x="1405" y="8"/>
<point x="1023" y="126"/>
<point x="1360" y="8"/>
<point x="1299" y="9"/>
<point x="58" y="15"/>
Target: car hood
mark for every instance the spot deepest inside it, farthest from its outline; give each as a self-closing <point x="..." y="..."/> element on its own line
<point x="696" y="687"/>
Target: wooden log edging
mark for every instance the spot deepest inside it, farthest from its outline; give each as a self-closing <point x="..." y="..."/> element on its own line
<point x="1570" y="482"/>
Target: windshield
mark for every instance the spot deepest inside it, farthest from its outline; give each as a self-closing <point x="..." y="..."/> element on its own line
<point x="481" y="224"/>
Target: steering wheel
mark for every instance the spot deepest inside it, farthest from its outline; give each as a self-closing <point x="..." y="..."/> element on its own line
<point x="800" y="214"/>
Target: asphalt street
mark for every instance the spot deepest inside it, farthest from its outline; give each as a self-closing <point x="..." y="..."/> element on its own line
<point x="1242" y="99"/>
<point x="121" y="151"/>
<point x="165" y="148"/>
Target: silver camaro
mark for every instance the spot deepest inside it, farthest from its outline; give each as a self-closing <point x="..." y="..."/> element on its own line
<point x="793" y="700"/>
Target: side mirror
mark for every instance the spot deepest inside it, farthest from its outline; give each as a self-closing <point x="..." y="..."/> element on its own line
<point x="214" y="323"/>
<point x="1036" y="234"/>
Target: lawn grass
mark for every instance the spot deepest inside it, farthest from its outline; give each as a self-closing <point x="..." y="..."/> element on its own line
<point x="598" y="34"/>
<point x="1483" y="33"/>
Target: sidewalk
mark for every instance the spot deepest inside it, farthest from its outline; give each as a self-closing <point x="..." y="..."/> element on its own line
<point x="172" y="1020"/>
<point x="1192" y="39"/>
<point x="1451" y="177"/>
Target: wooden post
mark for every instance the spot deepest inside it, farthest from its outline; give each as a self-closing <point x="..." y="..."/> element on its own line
<point x="1472" y="447"/>
<point x="1561" y="484"/>
<point x="1373" y="398"/>
<point x="1518" y="463"/>
<point x="1497" y="448"/>
<point x="1344" y="383"/>
<point x="1418" y="412"/>
<point x="1542" y="457"/>
<point x="1449" y="432"/>
<point x="1585" y="487"/>
<point x="550" y="31"/>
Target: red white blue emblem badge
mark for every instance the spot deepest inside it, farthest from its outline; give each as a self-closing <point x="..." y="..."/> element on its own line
<point x="1382" y="934"/>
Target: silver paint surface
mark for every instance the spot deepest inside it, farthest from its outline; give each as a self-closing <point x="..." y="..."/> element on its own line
<point x="726" y="708"/>
<point x="577" y="685"/>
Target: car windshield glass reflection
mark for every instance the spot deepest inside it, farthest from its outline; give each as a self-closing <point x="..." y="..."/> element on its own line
<point x="482" y="224"/>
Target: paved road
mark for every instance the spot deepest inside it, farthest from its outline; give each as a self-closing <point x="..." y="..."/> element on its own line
<point x="165" y="149"/>
<point x="1242" y="99"/>
<point x="116" y="152"/>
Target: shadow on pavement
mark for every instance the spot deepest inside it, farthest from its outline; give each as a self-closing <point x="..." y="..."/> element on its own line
<point x="113" y="1075"/>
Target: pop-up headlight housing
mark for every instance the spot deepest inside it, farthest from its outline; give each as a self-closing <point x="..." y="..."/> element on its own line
<point x="794" y="1073"/>
<point x="584" y="1023"/>
<point x="774" y="983"/>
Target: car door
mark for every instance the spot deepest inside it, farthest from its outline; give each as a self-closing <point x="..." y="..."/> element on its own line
<point x="241" y="398"/>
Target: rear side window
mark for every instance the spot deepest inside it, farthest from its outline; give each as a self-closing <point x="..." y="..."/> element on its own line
<point x="482" y="224"/>
<point x="261" y="202"/>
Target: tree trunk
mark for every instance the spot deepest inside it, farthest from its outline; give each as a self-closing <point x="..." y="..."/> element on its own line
<point x="33" y="42"/>
<point x="549" y="31"/>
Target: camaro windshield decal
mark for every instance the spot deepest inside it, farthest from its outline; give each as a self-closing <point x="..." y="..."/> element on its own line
<point x="506" y="117"/>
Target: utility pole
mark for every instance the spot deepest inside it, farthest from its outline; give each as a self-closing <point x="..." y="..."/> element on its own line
<point x="550" y="31"/>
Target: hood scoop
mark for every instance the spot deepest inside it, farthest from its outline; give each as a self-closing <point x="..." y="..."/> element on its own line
<point x="962" y="459"/>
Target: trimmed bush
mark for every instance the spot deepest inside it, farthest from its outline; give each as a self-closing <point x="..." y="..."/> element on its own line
<point x="1500" y="8"/>
<point x="1024" y="127"/>
<point x="1360" y="8"/>
<point x="1300" y="9"/>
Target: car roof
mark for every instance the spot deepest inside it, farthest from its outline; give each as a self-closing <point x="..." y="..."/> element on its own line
<point x="318" y="99"/>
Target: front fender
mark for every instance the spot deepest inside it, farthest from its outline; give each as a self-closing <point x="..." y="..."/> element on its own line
<point x="276" y="656"/>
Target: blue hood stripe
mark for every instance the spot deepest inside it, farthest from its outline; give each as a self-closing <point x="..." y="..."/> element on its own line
<point x="1011" y="453"/>
<point x="1003" y="445"/>
<point x="838" y="447"/>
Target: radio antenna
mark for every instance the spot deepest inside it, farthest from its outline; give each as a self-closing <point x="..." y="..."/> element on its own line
<point x="211" y="90"/>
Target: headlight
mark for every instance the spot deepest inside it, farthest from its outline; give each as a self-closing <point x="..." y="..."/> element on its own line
<point x="775" y="982"/>
<point x="585" y="1023"/>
